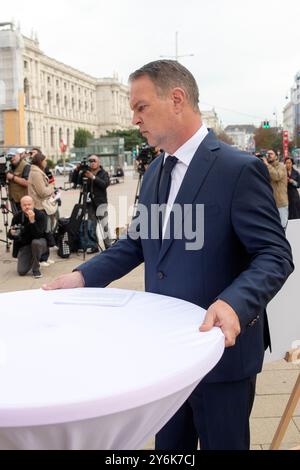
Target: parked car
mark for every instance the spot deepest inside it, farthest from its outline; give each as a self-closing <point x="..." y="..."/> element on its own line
<point x="64" y="170"/>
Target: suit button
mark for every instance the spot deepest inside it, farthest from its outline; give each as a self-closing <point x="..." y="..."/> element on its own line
<point x="252" y="323"/>
<point x="160" y="275"/>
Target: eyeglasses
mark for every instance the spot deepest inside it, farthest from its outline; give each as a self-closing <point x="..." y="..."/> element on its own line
<point x="270" y="154"/>
<point x="93" y="161"/>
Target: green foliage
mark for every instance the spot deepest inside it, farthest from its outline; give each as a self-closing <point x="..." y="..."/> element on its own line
<point x="132" y="137"/>
<point x="81" y="137"/>
<point x="268" y="138"/>
<point x="50" y="164"/>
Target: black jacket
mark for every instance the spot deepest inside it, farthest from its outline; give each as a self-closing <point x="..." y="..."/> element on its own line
<point x="97" y="187"/>
<point x="29" y="231"/>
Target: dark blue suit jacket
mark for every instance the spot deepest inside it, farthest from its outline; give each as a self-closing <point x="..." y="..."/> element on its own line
<point x="245" y="258"/>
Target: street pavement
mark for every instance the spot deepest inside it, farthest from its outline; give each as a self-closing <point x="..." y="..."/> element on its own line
<point x="274" y="384"/>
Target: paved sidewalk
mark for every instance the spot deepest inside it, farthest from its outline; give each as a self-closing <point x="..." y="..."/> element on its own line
<point x="274" y="383"/>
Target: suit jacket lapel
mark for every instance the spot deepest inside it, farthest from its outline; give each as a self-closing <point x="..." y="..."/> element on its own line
<point x="192" y="182"/>
<point x="151" y="193"/>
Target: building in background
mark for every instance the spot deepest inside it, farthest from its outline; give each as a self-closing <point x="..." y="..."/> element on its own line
<point x="242" y="136"/>
<point x="289" y="119"/>
<point x="43" y="101"/>
<point x="291" y="112"/>
<point x="211" y="120"/>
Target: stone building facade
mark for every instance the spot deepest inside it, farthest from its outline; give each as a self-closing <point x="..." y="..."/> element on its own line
<point x="43" y="101"/>
<point x="211" y="119"/>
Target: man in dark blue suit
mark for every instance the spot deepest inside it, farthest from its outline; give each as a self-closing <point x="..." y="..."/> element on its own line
<point x="226" y="251"/>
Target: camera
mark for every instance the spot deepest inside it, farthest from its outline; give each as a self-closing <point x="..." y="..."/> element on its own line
<point x="78" y="173"/>
<point x="5" y="166"/>
<point x="146" y="155"/>
<point x="262" y="154"/>
<point x="16" y="232"/>
<point x="84" y="165"/>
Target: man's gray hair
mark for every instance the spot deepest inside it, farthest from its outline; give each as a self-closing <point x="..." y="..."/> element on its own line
<point x="168" y="74"/>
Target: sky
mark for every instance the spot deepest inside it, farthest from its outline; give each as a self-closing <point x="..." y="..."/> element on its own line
<point x="245" y="53"/>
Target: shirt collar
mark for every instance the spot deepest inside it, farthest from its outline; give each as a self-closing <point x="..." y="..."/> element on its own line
<point x="186" y="152"/>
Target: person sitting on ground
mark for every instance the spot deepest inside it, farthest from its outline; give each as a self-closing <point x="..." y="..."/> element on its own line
<point x="28" y="232"/>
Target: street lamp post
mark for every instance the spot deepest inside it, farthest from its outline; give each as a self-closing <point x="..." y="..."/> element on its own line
<point x="177" y="56"/>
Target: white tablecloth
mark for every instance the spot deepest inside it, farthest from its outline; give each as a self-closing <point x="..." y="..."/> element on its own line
<point x="97" y="368"/>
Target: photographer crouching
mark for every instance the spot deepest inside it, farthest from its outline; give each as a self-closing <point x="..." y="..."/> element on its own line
<point x="28" y="233"/>
<point x="97" y="183"/>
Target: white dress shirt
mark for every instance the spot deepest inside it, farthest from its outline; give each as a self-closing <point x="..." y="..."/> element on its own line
<point x="184" y="154"/>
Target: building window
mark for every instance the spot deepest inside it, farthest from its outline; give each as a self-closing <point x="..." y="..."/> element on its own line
<point x="49" y="80"/>
<point x="57" y="83"/>
<point x="79" y="105"/>
<point x="26" y="91"/>
<point x="65" y="85"/>
<point x="52" y="137"/>
<point x="2" y="92"/>
<point x="73" y="103"/>
<point x="68" y="138"/>
<point x="29" y="133"/>
<point x="60" y="135"/>
<point x="25" y="64"/>
<point x="57" y="99"/>
<point x="44" y="137"/>
<point x="85" y="106"/>
<point x="72" y="87"/>
<point x="65" y="102"/>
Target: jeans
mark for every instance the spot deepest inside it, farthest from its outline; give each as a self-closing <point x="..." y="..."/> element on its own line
<point x="101" y="216"/>
<point x="29" y="256"/>
<point x="284" y="215"/>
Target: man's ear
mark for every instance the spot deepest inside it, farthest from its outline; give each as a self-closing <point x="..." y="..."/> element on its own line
<point x="178" y="98"/>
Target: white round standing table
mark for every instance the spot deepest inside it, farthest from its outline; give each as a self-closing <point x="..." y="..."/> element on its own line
<point x="97" y="368"/>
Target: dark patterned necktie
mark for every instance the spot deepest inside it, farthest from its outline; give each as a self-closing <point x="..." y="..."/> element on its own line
<point x="164" y="187"/>
<point x="165" y="179"/>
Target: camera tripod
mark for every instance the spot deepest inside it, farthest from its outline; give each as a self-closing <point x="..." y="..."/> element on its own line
<point x="5" y="211"/>
<point x="137" y="193"/>
<point x="83" y="200"/>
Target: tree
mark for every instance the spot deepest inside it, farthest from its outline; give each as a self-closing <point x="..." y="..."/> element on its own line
<point x="225" y="137"/>
<point x="81" y="137"/>
<point x="267" y="138"/>
<point x="132" y="137"/>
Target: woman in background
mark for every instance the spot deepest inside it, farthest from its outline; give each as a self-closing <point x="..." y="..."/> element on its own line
<point x="293" y="185"/>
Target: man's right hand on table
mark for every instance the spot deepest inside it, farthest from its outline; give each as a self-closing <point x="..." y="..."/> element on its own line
<point x="67" y="281"/>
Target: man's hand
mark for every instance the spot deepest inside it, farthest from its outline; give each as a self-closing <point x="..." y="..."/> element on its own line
<point x="264" y="159"/>
<point x="67" y="281"/>
<point x="222" y="315"/>
<point x="89" y="174"/>
<point x="31" y="215"/>
<point x="9" y="176"/>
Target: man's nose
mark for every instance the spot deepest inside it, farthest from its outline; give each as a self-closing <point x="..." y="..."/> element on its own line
<point x="135" y="119"/>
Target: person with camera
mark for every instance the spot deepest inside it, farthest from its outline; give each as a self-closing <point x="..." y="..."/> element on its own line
<point x="279" y="183"/>
<point x="97" y="184"/>
<point x="17" y="178"/>
<point x="27" y="230"/>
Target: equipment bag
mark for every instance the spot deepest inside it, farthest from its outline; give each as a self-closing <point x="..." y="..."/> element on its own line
<point x="62" y="238"/>
<point x="87" y="234"/>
